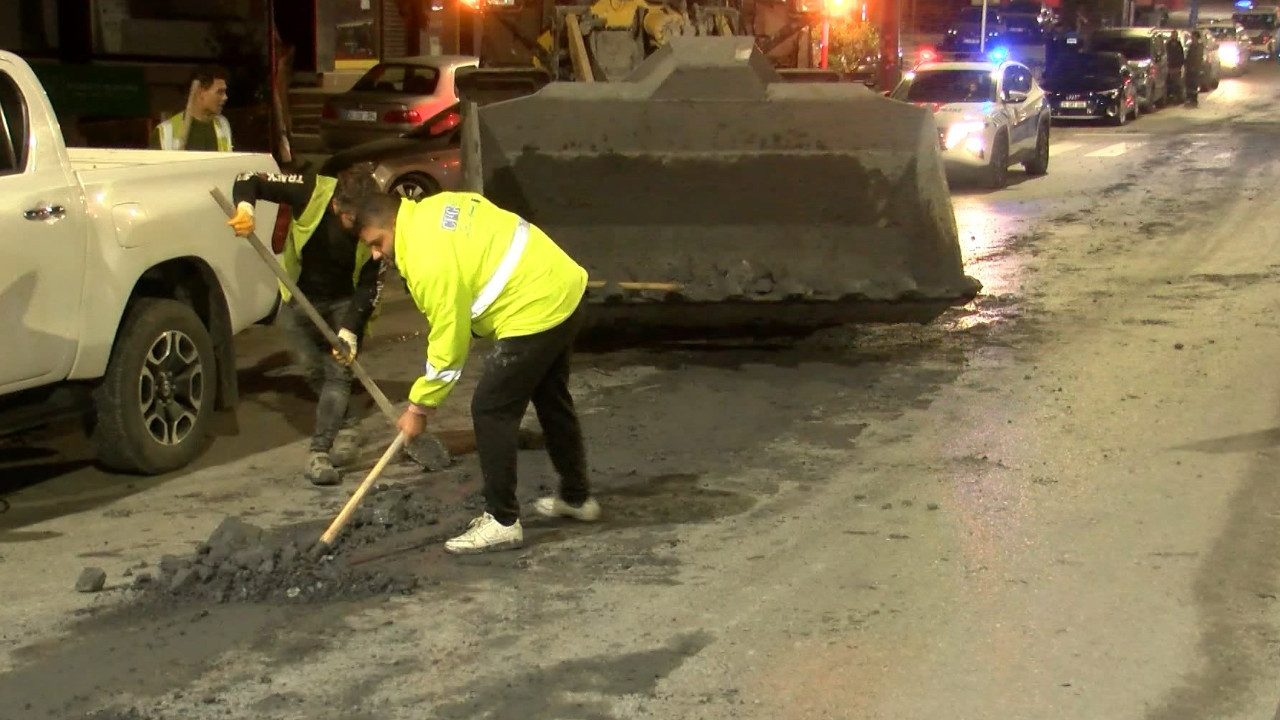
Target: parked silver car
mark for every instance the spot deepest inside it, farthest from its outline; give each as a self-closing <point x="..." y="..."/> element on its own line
<point x="393" y="98"/>
<point x="420" y="163"/>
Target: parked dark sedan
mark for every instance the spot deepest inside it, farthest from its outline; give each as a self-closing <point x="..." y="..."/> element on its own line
<point x="1091" y="86"/>
<point x="1148" y="58"/>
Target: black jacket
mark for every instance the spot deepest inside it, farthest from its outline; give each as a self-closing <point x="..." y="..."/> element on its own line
<point x="329" y="256"/>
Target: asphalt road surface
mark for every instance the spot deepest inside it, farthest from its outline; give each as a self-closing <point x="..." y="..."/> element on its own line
<point x="1059" y="502"/>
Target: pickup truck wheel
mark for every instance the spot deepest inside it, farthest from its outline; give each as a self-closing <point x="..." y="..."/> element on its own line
<point x="154" y="404"/>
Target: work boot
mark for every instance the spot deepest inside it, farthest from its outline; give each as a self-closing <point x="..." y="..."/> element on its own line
<point x="346" y="447"/>
<point x="588" y="511"/>
<point x="320" y="470"/>
<point x="486" y="534"/>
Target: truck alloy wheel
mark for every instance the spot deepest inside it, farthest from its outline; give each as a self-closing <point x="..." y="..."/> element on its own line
<point x="155" y="401"/>
<point x="171" y="388"/>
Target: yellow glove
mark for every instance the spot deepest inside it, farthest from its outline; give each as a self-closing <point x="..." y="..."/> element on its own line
<point x="242" y="223"/>
<point x="350" y="347"/>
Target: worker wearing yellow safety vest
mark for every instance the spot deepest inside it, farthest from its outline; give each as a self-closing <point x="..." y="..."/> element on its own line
<point x="209" y="130"/>
<point x="475" y="269"/>
<point x="337" y="275"/>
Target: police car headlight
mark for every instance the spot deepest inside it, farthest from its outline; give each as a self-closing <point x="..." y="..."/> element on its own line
<point x="961" y="131"/>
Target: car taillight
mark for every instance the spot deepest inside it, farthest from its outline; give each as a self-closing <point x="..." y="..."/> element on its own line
<point x="446" y="123"/>
<point x="412" y="116"/>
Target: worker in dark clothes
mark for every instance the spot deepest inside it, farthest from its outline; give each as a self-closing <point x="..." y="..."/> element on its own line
<point x="476" y="270"/>
<point x="1194" y="66"/>
<point x="209" y="131"/>
<point x="1177" y="61"/>
<point x="338" y="275"/>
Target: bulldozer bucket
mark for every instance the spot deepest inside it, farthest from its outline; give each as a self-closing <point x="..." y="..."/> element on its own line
<point x="704" y="179"/>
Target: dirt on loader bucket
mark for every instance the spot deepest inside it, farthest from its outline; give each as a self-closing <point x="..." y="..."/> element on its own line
<point x="704" y="178"/>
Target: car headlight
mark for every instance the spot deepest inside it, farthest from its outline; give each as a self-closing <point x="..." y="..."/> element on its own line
<point x="1229" y="55"/>
<point x="961" y="131"/>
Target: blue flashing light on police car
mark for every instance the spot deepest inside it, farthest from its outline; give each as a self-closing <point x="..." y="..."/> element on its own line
<point x="998" y="55"/>
<point x="1244" y="4"/>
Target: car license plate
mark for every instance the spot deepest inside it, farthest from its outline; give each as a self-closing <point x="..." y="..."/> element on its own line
<point x="1074" y="104"/>
<point x="360" y="115"/>
<point x="970" y="41"/>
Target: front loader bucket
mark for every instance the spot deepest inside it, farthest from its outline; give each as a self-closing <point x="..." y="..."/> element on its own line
<point x="705" y="178"/>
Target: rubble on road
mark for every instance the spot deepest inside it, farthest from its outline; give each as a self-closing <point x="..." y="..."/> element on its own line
<point x="91" y="580"/>
<point x="242" y="562"/>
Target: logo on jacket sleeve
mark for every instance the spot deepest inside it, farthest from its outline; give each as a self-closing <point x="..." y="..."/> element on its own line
<point x="449" y="220"/>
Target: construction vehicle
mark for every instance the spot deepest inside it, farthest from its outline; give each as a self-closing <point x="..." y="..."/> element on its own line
<point x="662" y="145"/>
<point x="704" y="190"/>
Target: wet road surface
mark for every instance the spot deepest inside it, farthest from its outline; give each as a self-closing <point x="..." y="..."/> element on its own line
<point x="1059" y="502"/>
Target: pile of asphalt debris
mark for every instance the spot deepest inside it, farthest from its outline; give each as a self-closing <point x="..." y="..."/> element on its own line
<point x="241" y="562"/>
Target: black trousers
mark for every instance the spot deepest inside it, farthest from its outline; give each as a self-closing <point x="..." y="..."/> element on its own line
<point x="520" y="370"/>
<point x="328" y="378"/>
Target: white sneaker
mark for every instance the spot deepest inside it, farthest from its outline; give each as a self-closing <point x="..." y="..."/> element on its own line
<point x="555" y="507"/>
<point x="486" y="534"/>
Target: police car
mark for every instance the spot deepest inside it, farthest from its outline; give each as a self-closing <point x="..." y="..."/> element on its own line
<point x="990" y="112"/>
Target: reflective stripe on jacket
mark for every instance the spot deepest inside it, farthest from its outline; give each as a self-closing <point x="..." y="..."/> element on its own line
<point x="302" y="227"/>
<point x="473" y="267"/>
<point x="170" y="130"/>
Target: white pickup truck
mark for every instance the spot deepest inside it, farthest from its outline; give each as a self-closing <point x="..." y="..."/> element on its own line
<point x="121" y="286"/>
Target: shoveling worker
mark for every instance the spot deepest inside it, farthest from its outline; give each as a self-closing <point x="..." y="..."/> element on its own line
<point x="476" y="270"/>
<point x="209" y="130"/>
<point x="338" y="275"/>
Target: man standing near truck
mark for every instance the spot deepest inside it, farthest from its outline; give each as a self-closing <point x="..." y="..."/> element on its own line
<point x="209" y="130"/>
<point x="339" y="277"/>
<point x="1194" y="66"/>
<point x="476" y="270"/>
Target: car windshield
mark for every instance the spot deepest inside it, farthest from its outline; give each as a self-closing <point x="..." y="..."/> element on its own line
<point x="1132" y="48"/>
<point x="1082" y="66"/>
<point x="1024" y="22"/>
<point x="399" y="78"/>
<point x="974" y="15"/>
<point x="1255" y="22"/>
<point x="1222" y="33"/>
<point x="948" y="86"/>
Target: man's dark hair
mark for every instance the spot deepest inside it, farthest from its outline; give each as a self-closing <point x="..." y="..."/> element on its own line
<point x="377" y="211"/>
<point x="355" y="185"/>
<point x="206" y="74"/>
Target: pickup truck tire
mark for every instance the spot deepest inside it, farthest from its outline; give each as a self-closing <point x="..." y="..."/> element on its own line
<point x="157" y="397"/>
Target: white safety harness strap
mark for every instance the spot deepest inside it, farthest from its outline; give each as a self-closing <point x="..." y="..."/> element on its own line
<point x="493" y="288"/>
<point x="166" y="136"/>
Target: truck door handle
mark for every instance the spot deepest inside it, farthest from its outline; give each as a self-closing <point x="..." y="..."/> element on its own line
<point x="48" y="212"/>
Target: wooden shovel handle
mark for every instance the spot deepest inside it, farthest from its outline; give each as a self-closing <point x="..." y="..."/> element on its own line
<point x="341" y="521"/>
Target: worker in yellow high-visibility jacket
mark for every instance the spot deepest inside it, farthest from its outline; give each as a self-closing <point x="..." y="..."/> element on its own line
<point x="475" y="269"/>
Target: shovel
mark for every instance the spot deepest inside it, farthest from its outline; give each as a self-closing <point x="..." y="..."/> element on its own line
<point x="425" y="449"/>
<point x="325" y="544"/>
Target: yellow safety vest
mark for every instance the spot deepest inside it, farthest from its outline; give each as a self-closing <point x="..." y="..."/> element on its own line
<point x="303" y="226"/>
<point x="473" y="267"/>
<point x="170" y="130"/>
